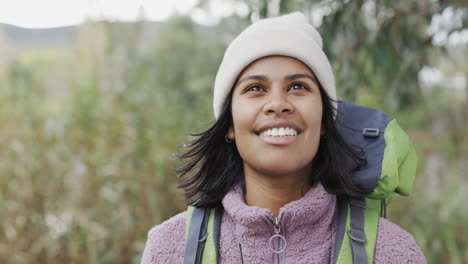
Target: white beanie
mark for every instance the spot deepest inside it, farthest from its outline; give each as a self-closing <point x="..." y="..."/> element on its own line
<point x="288" y="35"/>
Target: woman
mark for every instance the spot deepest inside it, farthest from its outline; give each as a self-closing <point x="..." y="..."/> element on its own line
<point x="273" y="159"/>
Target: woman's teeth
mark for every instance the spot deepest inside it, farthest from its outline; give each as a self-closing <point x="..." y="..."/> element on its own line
<point x="279" y="132"/>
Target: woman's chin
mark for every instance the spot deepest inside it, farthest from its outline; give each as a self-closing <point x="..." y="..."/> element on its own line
<point x="280" y="168"/>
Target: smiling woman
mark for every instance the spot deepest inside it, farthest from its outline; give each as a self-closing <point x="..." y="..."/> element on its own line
<point x="273" y="164"/>
<point x="276" y="94"/>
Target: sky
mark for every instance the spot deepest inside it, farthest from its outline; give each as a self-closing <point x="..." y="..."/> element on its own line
<point x="56" y="13"/>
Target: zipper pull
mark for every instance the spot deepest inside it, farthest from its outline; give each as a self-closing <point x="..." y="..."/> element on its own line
<point x="277" y="226"/>
<point x="278" y="238"/>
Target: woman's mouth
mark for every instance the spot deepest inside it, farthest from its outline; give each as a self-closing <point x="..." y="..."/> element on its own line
<point x="279" y="132"/>
<point x="279" y="136"/>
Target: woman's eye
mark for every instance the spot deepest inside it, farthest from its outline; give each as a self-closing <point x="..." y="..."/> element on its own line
<point x="255" y="88"/>
<point x="298" y="86"/>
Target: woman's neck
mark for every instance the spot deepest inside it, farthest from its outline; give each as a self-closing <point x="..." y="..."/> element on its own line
<point x="273" y="192"/>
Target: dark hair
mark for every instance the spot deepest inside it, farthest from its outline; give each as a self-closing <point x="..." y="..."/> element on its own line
<point x="214" y="166"/>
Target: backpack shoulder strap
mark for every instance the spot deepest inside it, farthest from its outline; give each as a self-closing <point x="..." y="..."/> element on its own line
<point x="342" y="206"/>
<point x="202" y="235"/>
<point x="359" y="219"/>
<point x="218" y="216"/>
<point x="356" y="234"/>
<point x="195" y="234"/>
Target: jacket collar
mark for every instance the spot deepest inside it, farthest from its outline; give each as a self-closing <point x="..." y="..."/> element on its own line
<point x="315" y="209"/>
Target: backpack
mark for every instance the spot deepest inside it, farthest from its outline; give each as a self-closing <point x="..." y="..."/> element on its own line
<point x="391" y="168"/>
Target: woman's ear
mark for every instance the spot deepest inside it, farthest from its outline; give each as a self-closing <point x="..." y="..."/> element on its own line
<point x="230" y="134"/>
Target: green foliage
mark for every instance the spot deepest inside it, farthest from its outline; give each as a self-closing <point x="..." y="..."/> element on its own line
<point x="87" y="167"/>
<point x="437" y="218"/>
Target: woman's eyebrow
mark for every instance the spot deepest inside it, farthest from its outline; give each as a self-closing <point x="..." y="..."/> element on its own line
<point x="288" y="78"/>
<point x="300" y="75"/>
<point x="252" y="77"/>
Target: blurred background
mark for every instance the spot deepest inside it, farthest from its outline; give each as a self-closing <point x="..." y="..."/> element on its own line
<point x="97" y="96"/>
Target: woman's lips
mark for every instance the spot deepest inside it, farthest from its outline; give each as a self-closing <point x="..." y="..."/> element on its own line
<point x="279" y="141"/>
<point x="278" y="125"/>
<point x="279" y="132"/>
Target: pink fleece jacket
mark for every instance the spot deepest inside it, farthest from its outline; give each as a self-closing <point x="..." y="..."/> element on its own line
<point x="308" y="225"/>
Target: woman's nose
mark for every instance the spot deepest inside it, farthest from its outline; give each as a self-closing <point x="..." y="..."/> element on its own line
<point x="278" y="103"/>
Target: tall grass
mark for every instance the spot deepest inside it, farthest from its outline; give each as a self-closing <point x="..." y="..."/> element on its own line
<point x="85" y="171"/>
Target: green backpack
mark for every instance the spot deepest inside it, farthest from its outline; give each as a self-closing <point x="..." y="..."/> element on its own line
<point x="391" y="168"/>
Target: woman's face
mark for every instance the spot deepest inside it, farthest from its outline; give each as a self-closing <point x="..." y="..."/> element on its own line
<point x="277" y="114"/>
